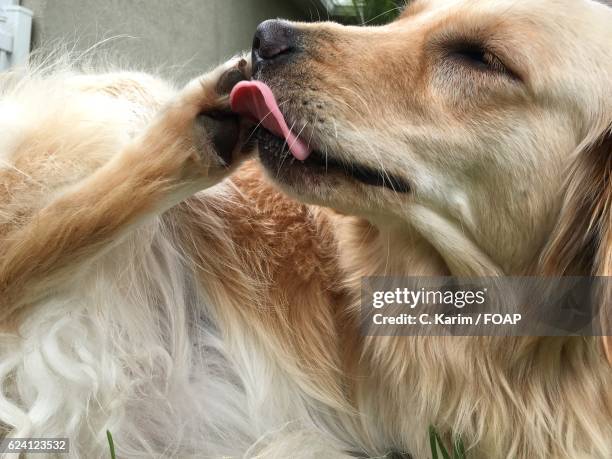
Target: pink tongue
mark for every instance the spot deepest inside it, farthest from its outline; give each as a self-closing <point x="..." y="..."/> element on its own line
<point x="254" y="99"/>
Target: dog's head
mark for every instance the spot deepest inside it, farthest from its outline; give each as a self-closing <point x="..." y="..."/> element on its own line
<point x="469" y="113"/>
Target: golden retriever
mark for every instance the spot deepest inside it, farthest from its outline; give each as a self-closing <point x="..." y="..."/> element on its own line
<point x="191" y="315"/>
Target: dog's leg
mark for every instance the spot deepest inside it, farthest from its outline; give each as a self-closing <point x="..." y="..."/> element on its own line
<point x="189" y="146"/>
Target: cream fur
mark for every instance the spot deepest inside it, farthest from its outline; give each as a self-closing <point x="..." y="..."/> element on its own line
<point x="197" y="316"/>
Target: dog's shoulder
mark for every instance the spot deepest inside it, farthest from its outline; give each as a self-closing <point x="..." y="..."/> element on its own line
<point x="253" y="225"/>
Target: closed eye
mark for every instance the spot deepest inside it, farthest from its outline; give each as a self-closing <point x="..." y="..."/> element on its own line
<point x="479" y="58"/>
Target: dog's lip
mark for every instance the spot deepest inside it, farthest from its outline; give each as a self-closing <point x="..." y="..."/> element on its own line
<point x="361" y="173"/>
<point x="328" y="163"/>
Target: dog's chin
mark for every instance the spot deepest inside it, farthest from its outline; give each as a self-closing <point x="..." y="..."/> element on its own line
<point x="321" y="173"/>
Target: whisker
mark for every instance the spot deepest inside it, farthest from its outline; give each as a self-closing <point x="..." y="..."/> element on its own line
<point x="384" y="174"/>
<point x="298" y="135"/>
<point x="286" y="155"/>
<point x="258" y="125"/>
<point x="397" y="8"/>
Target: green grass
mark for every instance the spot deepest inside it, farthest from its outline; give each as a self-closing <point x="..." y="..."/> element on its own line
<point x="111" y="445"/>
<point x="437" y="446"/>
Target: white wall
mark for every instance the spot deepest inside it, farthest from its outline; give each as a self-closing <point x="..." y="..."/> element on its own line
<point x="179" y="37"/>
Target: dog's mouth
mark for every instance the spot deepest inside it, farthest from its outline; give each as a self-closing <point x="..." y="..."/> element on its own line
<point x="275" y="154"/>
<point x="282" y="151"/>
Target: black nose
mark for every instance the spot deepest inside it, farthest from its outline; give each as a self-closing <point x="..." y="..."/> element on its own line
<point x="273" y="39"/>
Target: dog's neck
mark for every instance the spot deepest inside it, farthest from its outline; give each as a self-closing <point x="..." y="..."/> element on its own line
<point x="425" y="246"/>
<point x="390" y="248"/>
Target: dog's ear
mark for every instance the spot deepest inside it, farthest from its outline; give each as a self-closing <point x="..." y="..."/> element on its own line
<point x="581" y="243"/>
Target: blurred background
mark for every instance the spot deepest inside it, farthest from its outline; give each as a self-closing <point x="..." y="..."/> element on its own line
<point x="179" y="38"/>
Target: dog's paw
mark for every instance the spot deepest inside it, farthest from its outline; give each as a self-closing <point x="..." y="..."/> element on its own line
<point x="202" y="114"/>
<point x="232" y="73"/>
<point x="215" y="124"/>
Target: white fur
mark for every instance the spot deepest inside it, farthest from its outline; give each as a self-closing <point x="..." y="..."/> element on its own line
<point x="131" y="348"/>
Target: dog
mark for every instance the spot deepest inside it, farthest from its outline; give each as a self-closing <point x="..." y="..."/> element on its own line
<point x="159" y="283"/>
